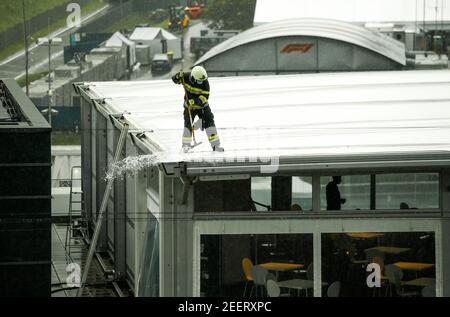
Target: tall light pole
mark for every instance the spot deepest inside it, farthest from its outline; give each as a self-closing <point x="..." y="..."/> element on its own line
<point x="25" y="38"/>
<point x="121" y="16"/>
<point x="44" y="41"/>
<point x="424" y="9"/>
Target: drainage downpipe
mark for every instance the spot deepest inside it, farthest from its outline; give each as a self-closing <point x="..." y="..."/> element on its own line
<point x="187" y="183"/>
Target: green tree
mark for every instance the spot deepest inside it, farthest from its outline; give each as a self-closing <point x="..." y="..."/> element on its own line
<point x="230" y="14"/>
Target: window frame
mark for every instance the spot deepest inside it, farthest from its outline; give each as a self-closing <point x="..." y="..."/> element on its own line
<point x="316" y="206"/>
<point x="317" y="227"/>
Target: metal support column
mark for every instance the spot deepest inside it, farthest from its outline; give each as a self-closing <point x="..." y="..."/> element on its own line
<point x="316" y="192"/>
<point x="317" y="258"/>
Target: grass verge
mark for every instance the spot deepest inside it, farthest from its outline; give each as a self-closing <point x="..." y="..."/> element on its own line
<point x="19" y="45"/>
<point x="134" y="19"/>
<point x="31" y="77"/>
<point x="11" y="11"/>
<point x="66" y="138"/>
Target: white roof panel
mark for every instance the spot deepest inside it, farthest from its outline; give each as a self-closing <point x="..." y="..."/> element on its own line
<point x="306" y="116"/>
<point x="359" y="11"/>
<point x="325" y="28"/>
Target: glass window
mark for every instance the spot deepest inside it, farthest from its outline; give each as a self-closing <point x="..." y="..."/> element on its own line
<point x="149" y="269"/>
<point x="345" y="192"/>
<point x="407" y="191"/>
<point x="240" y="265"/>
<point x="261" y="188"/>
<point x="301" y="193"/>
<point x="378" y="264"/>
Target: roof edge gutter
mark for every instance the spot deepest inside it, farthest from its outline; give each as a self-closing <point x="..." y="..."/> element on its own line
<point x="324" y="166"/>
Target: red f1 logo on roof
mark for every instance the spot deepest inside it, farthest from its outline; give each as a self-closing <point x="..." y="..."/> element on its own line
<point x="304" y="48"/>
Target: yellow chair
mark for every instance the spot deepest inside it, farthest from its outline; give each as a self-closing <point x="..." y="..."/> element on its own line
<point x="247" y="268"/>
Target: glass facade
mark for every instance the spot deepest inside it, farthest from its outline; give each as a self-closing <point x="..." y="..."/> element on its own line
<point x="354" y="193"/>
<point x="379" y="264"/>
<point x="392" y="256"/>
<point x="352" y="264"/>
<point x="149" y="272"/>
<point x="149" y="277"/>
<point x="228" y="263"/>
<point x="407" y="191"/>
<point x="261" y="192"/>
<point x="380" y="191"/>
<point x="395" y="191"/>
<point x="301" y="193"/>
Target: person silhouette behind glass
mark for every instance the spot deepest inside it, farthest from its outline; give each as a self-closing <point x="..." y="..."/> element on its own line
<point x="334" y="199"/>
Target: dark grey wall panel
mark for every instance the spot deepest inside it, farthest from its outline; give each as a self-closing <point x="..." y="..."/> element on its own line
<point x="25" y="197"/>
<point x="222" y="196"/>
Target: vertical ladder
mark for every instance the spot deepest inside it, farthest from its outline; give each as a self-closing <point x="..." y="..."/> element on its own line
<point x="76" y="205"/>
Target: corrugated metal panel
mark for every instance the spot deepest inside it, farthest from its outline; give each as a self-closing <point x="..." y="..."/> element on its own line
<point x="321" y="28"/>
<point x="353" y="10"/>
<point x="308" y="116"/>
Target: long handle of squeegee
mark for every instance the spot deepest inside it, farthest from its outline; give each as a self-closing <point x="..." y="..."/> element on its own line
<point x="189" y="109"/>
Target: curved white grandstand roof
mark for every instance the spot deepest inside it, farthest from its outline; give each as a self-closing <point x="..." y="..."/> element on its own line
<point x="309" y="117"/>
<point x="331" y="29"/>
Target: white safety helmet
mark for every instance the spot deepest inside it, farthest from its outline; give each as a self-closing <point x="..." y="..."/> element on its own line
<point x="199" y="74"/>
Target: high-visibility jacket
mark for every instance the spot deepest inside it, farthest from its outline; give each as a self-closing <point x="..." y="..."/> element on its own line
<point x="196" y="95"/>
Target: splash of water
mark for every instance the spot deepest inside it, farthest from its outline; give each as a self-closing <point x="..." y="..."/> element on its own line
<point x="131" y="165"/>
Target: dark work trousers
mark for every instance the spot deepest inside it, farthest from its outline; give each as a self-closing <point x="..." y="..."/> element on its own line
<point x="208" y="124"/>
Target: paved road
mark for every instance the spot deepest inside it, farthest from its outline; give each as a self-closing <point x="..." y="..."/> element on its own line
<point x="14" y="66"/>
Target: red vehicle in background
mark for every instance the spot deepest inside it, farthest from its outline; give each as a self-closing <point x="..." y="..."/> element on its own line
<point x="196" y="9"/>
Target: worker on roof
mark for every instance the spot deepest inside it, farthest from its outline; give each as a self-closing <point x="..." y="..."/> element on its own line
<point x="196" y="87"/>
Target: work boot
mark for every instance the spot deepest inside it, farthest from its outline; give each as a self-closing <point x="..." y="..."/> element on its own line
<point x="218" y="148"/>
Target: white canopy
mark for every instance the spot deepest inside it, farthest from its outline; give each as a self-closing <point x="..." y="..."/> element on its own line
<point x="152" y="37"/>
<point x="151" y="33"/>
<point x="118" y="40"/>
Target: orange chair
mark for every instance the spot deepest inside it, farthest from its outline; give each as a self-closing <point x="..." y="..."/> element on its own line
<point x="247" y="268"/>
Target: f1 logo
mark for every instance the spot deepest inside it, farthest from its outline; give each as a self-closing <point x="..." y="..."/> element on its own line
<point x="304" y="48"/>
